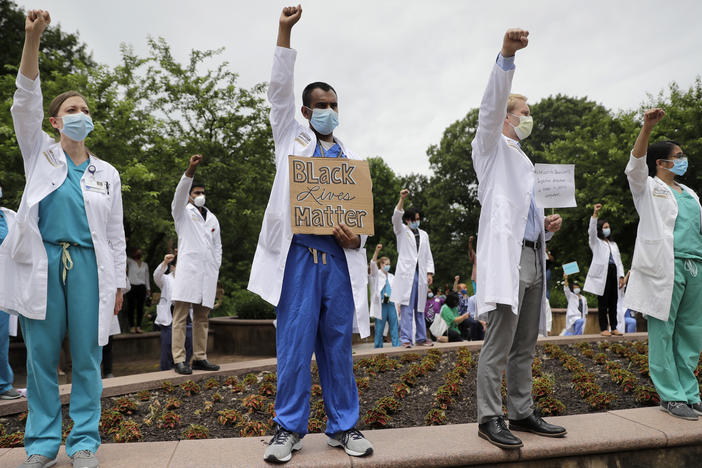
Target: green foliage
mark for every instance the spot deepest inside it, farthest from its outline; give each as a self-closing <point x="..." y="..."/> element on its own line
<point x="248" y="305"/>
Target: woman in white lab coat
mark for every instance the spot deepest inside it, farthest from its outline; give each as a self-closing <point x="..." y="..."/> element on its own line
<point x="7" y="220"/>
<point x="382" y="308"/>
<point x="65" y="260"/>
<point x="606" y="274"/>
<point x="666" y="272"/>
<point x="577" y="309"/>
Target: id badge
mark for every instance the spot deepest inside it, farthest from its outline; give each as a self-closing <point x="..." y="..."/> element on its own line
<point x="96" y="186"/>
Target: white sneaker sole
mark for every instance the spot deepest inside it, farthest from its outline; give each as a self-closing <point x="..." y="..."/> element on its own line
<point x="336" y="443"/>
<point x="51" y="463"/>
<point x="274" y="459"/>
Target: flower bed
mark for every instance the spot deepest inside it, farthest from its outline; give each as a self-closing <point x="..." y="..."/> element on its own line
<point x="411" y="389"/>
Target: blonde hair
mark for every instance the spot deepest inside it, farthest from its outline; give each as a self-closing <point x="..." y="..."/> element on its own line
<point x="382" y="260"/>
<point x="512" y="101"/>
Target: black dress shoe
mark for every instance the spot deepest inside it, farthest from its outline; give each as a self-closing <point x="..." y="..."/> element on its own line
<point x="204" y="364"/>
<point x="182" y="368"/>
<point x="495" y="431"/>
<point x="537" y="425"/>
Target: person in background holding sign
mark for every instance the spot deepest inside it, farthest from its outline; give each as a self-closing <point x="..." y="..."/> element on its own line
<point x="381" y="307"/>
<point x="414" y="273"/>
<point x="62" y="265"/>
<point x="511" y="236"/>
<point x="666" y="272"/>
<point x="199" y="259"/>
<point x="606" y="274"/>
<point x="577" y="309"/>
<point x="318" y="283"/>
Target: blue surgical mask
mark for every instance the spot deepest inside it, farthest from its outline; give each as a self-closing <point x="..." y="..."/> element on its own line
<point x="414" y="225"/>
<point x="77" y="126"/>
<point x="679" y="167"/>
<point x="386" y="267"/>
<point x="324" y="120"/>
<point x="606" y="232"/>
<point x="464" y="291"/>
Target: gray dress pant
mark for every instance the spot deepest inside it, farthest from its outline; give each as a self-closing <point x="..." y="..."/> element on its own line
<point x="509" y="345"/>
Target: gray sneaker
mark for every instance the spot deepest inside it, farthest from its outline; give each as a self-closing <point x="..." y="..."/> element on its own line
<point x="696" y="407"/>
<point x="11" y="394"/>
<point x="679" y="409"/>
<point x="353" y="442"/>
<point x="281" y="446"/>
<point x="38" y="461"/>
<point x="84" y="459"/>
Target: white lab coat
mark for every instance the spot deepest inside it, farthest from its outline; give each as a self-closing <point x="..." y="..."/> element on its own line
<point x="408" y="257"/>
<point x="293" y="138"/>
<point x="650" y="287"/>
<point x="597" y="274"/>
<point x="10" y="220"/>
<point x="23" y="260"/>
<point x="621" y="312"/>
<point x="573" y="314"/>
<point x="376" y="280"/>
<point x="199" y="250"/>
<point x="163" y="308"/>
<point x="506" y="181"/>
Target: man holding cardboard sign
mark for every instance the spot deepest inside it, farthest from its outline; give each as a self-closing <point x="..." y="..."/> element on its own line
<point x="318" y="280"/>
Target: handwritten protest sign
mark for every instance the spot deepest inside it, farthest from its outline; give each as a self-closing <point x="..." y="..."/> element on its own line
<point x="554" y="186"/>
<point x="325" y="192"/>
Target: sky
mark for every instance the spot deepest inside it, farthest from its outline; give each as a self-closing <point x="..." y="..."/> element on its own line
<point x="405" y="70"/>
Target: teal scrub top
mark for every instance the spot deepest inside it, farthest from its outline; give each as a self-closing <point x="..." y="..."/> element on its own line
<point x="3" y="227"/>
<point x="687" y="239"/>
<point x="62" y="216"/>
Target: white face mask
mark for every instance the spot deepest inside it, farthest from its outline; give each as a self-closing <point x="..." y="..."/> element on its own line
<point x="199" y="201"/>
<point x="526" y="123"/>
<point x="576" y="290"/>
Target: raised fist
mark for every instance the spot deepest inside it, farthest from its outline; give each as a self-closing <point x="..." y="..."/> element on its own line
<point x="37" y="21"/>
<point x="457" y="278"/>
<point x="168" y="258"/>
<point x="653" y="116"/>
<point x="290" y="15"/>
<point x="514" y="40"/>
<point x="598" y="207"/>
<point x="378" y="248"/>
<point x="404" y="193"/>
<point x="195" y="160"/>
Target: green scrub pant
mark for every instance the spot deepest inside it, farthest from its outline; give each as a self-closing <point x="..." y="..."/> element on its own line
<point x="674" y="345"/>
<point x="71" y="307"/>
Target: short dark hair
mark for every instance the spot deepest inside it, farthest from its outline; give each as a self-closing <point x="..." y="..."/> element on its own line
<point x="311" y="87"/>
<point x="196" y="184"/>
<point x="601" y="222"/>
<point x="452" y="299"/>
<point x="410" y="214"/>
<point x="659" y="150"/>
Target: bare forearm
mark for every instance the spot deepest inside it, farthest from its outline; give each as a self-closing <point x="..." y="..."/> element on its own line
<point x="29" y="66"/>
<point x="641" y="145"/>
<point x="284" y="37"/>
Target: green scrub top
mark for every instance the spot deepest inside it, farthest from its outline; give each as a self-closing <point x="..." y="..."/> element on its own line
<point x="449" y="315"/>
<point x="62" y="216"/>
<point x="687" y="239"/>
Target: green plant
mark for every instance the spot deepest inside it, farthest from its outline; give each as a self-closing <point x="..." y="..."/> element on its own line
<point x="253" y="402"/>
<point x="190" y="387"/>
<point x="208" y="406"/>
<point x="217" y="397"/>
<point x="14" y="439"/>
<point x="550" y="406"/>
<point x="400" y="390"/>
<point x="250" y="379"/>
<point x="253" y="428"/>
<point x="110" y="420"/>
<point x="601" y="400"/>
<point x="443" y="398"/>
<point x="581" y="377"/>
<point x="129" y="431"/>
<point x="229" y="417"/>
<point x="125" y="405"/>
<point x="250" y="306"/>
<point x="317" y="410"/>
<point x="173" y="403"/>
<point x="389" y="404"/>
<point x="435" y="417"/>
<point x="541" y="387"/>
<point x="195" y="431"/>
<point x="362" y="384"/>
<point x="169" y="420"/>
<point x="212" y="383"/>
<point x="315" y="425"/>
<point x="144" y="395"/>
<point x="316" y="390"/>
<point x="587" y="389"/>
<point x="376" y="417"/>
<point x="600" y="358"/>
<point x="646" y="394"/>
<point x="410" y="357"/>
<point x="167" y="386"/>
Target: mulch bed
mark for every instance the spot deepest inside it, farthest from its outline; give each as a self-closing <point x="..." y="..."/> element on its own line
<point x="441" y="390"/>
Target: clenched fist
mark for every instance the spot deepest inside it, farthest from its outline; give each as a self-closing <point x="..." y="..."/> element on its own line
<point x="652" y="117"/>
<point x="290" y="15"/>
<point x="36" y="22"/>
<point x="514" y="40"/>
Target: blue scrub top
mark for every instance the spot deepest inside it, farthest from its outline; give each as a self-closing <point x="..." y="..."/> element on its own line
<point x="323" y="243"/>
<point x="62" y="216"/>
<point x="3" y="227"/>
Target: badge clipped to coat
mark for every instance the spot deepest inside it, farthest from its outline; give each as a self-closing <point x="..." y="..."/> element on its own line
<point x="91" y="184"/>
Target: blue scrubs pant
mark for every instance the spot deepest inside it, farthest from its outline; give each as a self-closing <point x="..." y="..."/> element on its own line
<point x="390" y="316"/>
<point x="630" y="322"/>
<point x="71" y="308"/>
<point x="6" y="375"/>
<point x="577" y="328"/>
<point x="408" y="313"/>
<point x="315" y="314"/>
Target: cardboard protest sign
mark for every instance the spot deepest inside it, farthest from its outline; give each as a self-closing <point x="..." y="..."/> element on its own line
<point x="554" y="185"/>
<point x="326" y="192"/>
<point x="571" y="268"/>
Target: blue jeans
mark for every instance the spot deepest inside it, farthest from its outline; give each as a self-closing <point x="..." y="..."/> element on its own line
<point x="6" y="375"/>
<point x="389" y="316"/>
<point x="166" y="337"/>
<point x="315" y="314"/>
<point x="578" y="327"/>
<point x="406" y="316"/>
<point x="70" y="308"/>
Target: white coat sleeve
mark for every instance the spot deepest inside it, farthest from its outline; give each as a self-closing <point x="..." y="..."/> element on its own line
<point x="27" y="115"/>
<point x="281" y="95"/>
<point x="158" y="275"/>
<point x="568" y="293"/>
<point x="620" y="265"/>
<point x="637" y="174"/>
<point x="218" y="247"/>
<point x="592" y="238"/>
<point x="397" y="221"/>
<point x="115" y="235"/>
<point x="147" y="281"/>
<point x="493" y="109"/>
<point x="180" y="198"/>
<point x="430" y="258"/>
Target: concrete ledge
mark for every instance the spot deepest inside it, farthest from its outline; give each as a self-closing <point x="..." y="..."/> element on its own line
<point x="616" y="435"/>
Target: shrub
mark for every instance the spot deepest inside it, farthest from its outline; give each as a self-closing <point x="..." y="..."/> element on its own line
<point x="248" y="305"/>
<point x="253" y="428"/>
<point x="270" y="377"/>
<point x="195" y="431"/>
<point x="582" y="377"/>
<point x="536" y="367"/>
<point x="266" y="389"/>
<point x="229" y="417"/>
<point x="362" y="383"/>
<point x="129" y="431"/>
<point x="435" y="417"/>
<point x="125" y="405"/>
<point x="443" y="398"/>
<point x="173" y="403"/>
<point x="573" y="365"/>
<point x="628" y="383"/>
<point x="611" y="365"/>
<point x="550" y="406"/>
<point x="110" y="421"/>
<point x="169" y="420"/>
<point x="587" y="389"/>
<point x="190" y="387"/>
<point x="601" y="400"/>
<point x="376" y="417"/>
<point x="409" y="379"/>
<point x="15" y="439"/>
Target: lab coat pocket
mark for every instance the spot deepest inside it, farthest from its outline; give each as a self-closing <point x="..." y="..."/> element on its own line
<point x="501" y="215"/>
<point x="648" y="256"/>
<point x="598" y="270"/>
<point x="271" y="232"/>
